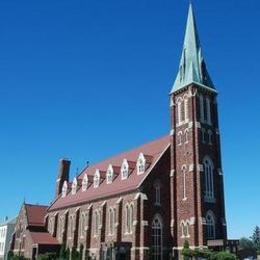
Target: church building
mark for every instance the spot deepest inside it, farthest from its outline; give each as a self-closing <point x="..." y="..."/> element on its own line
<point x="146" y="202"/>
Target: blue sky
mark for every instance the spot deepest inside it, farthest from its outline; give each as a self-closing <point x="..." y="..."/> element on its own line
<point x="88" y="79"/>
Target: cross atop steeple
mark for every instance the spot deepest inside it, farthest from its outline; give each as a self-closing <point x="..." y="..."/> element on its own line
<point x="192" y="65"/>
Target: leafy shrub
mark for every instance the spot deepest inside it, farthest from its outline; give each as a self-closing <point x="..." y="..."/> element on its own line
<point x="47" y="256"/>
<point x="224" y="256"/>
<point x="75" y="255"/>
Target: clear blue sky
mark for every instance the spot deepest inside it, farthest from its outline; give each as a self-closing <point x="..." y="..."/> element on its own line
<point x="88" y="79"/>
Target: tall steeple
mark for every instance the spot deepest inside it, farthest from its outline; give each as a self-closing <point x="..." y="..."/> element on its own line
<point x="192" y="67"/>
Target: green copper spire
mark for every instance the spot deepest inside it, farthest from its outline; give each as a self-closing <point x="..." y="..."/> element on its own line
<point x="192" y="66"/>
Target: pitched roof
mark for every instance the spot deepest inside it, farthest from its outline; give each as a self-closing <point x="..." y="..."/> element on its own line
<point x="152" y="152"/>
<point x="192" y="67"/>
<point x="35" y="214"/>
<point x="43" y="238"/>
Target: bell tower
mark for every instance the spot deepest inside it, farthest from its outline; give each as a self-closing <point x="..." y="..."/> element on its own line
<point x="197" y="191"/>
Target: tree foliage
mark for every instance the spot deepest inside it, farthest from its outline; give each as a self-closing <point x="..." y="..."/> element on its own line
<point x="256" y="238"/>
<point x="75" y="255"/>
<point x="205" y="254"/>
<point x="47" y="256"/>
<point x="246" y="243"/>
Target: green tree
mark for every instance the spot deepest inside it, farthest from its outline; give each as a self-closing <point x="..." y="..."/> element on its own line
<point x="74" y="254"/>
<point x="186" y="252"/>
<point x="246" y="243"/>
<point x="256" y="238"/>
<point x="10" y="255"/>
<point x="81" y="248"/>
<point x="62" y="253"/>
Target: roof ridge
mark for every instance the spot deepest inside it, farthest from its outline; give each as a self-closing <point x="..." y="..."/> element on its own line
<point x="35" y="205"/>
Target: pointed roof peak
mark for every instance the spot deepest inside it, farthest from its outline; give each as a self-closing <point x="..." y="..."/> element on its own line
<point x="192" y="67"/>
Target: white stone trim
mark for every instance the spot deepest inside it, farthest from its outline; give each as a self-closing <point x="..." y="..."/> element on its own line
<point x="198" y="125"/>
<point x="139" y="248"/>
<point x="191" y="167"/>
<point x="103" y="204"/>
<point x="192" y="221"/>
<point x="172" y="222"/>
<point x="144" y="223"/>
<point x="220" y="172"/>
<point x="171" y="102"/>
<point x="135" y="222"/>
<point x="200" y="167"/>
<point x="119" y="200"/>
<point x="203" y="221"/>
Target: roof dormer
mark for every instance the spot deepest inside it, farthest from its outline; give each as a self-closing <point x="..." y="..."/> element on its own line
<point x="64" y="189"/>
<point x="110" y="174"/>
<point x="97" y="179"/>
<point x="74" y="186"/>
<point x="124" y="170"/>
<point x="85" y="183"/>
<point x="141" y="164"/>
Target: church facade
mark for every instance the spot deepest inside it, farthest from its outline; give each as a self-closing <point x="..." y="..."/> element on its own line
<point x="145" y="203"/>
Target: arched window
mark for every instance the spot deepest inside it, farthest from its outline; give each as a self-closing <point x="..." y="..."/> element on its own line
<point x="182" y="229"/>
<point x="179" y="138"/>
<point x="85" y="183"/>
<point x="64" y="189"/>
<point x="203" y="135"/>
<point x="210" y="136"/>
<point x="124" y="170"/>
<point x="51" y="225"/>
<point x="112" y="216"/>
<point x="186" y="109"/>
<point x="141" y="163"/>
<point x="179" y="111"/>
<point x="82" y="224"/>
<point x="157" y="241"/>
<point x="97" y="222"/>
<point x="129" y="214"/>
<point x="60" y="228"/>
<point x="71" y="227"/>
<point x="202" y="113"/>
<point x="209" y="178"/>
<point x="96" y="179"/>
<point x="186" y="136"/>
<point x="208" y="113"/>
<point x="210" y="224"/>
<point x="157" y="191"/>
<point x="187" y="230"/>
<point x="184" y="171"/>
<point x="127" y="224"/>
<point x="110" y="174"/>
<point x="74" y="186"/>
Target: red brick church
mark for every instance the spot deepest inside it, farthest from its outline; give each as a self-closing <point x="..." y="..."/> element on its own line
<point x="144" y="203"/>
